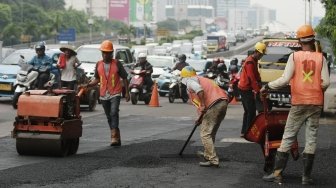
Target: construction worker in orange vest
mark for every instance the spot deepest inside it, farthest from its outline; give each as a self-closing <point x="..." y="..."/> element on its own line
<point x="307" y="73"/>
<point x="108" y="73"/>
<point x="250" y="84"/>
<point x="210" y="101"/>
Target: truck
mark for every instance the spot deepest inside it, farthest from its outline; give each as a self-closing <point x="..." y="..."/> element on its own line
<point x="216" y="43"/>
<point x="272" y="65"/>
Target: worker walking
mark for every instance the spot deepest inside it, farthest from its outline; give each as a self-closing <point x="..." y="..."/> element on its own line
<point x="210" y="101"/>
<point x="307" y="73"/>
<point x="249" y="85"/>
<point x="108" y="72"/>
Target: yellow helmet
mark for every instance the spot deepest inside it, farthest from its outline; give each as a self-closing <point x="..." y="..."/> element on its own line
<point x="260" y="47"/>
<point x="106" y="46"/>
<point x="188" y="71"/>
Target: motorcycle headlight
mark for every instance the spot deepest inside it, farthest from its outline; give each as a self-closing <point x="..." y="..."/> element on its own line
<point x="210" y="74"/>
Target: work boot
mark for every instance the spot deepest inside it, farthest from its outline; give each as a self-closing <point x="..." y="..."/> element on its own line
<point x="208" y="164"/>
<point x="281" y="159"/>
<point x="115" y="137"/>
<point x="308" y="160"/>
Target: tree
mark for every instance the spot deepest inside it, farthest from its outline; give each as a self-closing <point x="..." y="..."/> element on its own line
<point x="5" y="15"/>
<point x="327" y="26"/>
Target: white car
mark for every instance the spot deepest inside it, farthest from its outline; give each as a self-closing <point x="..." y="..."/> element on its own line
<point x="90" y="54"/>
<point x="160" y="63"/>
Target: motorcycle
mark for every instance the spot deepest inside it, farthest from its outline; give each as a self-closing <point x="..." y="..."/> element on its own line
<point x="234" y="79"/>
<point x="176" y="88"/>
<point x="26" y="79"/>
<point x="138" y="91"/>
<point x="221" y="79"/>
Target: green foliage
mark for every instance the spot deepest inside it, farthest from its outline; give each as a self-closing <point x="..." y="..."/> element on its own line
<point x="327" y="26"/>
<point x="43" y="19"/>
<point x="5" y="15"/>
<point x="173" y="25"/>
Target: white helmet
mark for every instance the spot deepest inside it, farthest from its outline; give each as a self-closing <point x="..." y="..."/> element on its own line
<point x="142" y="55"/>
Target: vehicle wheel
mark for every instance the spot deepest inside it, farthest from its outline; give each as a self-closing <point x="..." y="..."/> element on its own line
<point x="147" y="99"/>
<point x="92" y="100"/>
<point x="64" y="147"/>
<point x="134" y="98"/>
<point x="230" y="96"/>
<point x="162" y="94"/>
<point x="171" y="96"/>
<point x="74" y="143"/>
<point x="16" y="99"/>
<point x="185" y="99"/>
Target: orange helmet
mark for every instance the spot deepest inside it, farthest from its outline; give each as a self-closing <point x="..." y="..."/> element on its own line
<point x="106" y="46"/>
<point x="305" y="31"/>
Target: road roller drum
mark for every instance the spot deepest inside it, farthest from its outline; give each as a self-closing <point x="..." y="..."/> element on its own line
<point x="48" y="123"/>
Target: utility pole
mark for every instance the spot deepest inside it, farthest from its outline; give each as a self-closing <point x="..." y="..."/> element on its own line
<point x="310" y="11"/>
<point x="144" y="20"/>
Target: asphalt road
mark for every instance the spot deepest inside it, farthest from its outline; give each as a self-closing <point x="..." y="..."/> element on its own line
<point x="149" y="135"/>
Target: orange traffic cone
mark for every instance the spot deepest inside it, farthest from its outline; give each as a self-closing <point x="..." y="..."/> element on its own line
<point x="154" y="102"/>
<point x="234" y="101"/>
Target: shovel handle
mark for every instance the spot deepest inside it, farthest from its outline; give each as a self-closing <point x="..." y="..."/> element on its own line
<point x="197" y="123"/>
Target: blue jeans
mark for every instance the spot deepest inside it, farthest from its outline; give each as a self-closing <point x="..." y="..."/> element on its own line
<point x="111" y="109"/>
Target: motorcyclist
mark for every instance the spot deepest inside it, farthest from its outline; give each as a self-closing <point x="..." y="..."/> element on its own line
<point x="182" y="62"/>
<point x="145" y="65"/>
<point x="179" y="66"/>
<point x="42" y="63"/>
<point x="233" y="68"/>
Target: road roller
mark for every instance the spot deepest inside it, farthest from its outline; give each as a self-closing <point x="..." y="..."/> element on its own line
<point x="48" y="123"/>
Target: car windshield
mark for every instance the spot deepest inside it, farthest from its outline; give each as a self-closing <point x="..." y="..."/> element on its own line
<point x="212" y="42"/>
<point x="13" y="59"/>
<point x="160" y="62"/>
<point x="89" y="55"/>
<point x="278" y="54"/>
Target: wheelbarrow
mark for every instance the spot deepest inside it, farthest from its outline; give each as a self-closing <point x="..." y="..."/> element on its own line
<point x="267" y="130"/>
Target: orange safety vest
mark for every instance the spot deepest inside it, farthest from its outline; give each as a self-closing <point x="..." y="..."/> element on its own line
<point x="110" y="82"/>
<point x="306" y="82"/>
<point x="212" y="93"/>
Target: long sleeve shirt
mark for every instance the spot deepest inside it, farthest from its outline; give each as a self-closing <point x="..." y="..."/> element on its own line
<point x="38" y="62"/>
<point x="250" y="77"/>
<point x="289" y="71"/>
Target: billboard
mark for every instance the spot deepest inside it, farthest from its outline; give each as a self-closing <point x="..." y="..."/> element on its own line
<point x="141" y="10"/>
<point x="118" y="10"/>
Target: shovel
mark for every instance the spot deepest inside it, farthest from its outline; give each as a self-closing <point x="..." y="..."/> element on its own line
<point x="197" y="123"/>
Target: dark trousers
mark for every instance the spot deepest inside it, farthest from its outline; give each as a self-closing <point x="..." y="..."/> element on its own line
<point x="248" y="101"/>
<point x="68" y="84"/>
<point x="111" y="109"/>
<point x="42" y="79"/>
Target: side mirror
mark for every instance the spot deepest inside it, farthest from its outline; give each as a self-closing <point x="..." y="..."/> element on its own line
<point x="55" y="58"/>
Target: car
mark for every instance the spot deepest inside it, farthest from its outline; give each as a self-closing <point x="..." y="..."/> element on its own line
<point x="10" y="66"/>
<point x="164" y="79"/>
<point x="90" y="54"/>
<point x="160" y="63"/>
<point x="6" y="52"/>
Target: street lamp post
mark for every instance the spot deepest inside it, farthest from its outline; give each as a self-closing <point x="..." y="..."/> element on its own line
<point x="90" y="22"/>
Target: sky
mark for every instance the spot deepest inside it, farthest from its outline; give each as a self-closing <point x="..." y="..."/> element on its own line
<point x="292" y="12"/>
